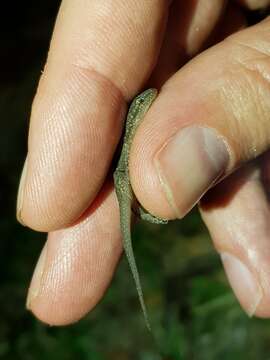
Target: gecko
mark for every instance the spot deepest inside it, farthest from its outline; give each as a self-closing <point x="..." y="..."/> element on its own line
<point x="126" y="198"/>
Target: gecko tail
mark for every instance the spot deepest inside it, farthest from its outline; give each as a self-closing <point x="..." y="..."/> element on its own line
<point x="125" y="216"/>
<point x="135" y="273"/>
<point x="125" y="199"/>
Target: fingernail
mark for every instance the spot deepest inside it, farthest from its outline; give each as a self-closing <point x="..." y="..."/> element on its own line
<point x="21" y="192"/>
<point x="189" y="164"/>
<point x="36" y="281"/>
<point x="247" y="290"/>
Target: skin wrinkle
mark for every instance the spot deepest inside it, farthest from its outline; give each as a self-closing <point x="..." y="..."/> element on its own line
<point x="262" y="52"/>
<point x="39" y="182"/>
<point x="51" y="126"/>
<point x="260" y="61"/>
<point x="259" y="90"/>
<point x="236" y="106"/>
<point x="263" y="79"/>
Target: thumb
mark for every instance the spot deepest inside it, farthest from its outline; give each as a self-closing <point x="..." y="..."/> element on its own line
<point x="209" y="118"/>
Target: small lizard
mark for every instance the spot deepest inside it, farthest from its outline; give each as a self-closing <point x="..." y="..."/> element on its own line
<point x="126" y="198"/>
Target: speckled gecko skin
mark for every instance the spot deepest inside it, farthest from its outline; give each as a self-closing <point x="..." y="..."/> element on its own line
<point x="126" y="198"/>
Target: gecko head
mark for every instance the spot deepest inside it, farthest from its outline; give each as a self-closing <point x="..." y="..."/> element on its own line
<point x="146" y="97"/>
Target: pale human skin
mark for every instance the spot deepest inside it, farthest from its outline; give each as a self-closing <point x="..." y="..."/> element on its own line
<point x="210" y="118"/>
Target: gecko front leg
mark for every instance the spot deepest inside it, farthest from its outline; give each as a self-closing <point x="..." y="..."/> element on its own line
<point x="146" y="216"/>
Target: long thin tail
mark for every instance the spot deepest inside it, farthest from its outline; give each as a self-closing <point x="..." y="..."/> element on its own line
<point x="125" y="220"/>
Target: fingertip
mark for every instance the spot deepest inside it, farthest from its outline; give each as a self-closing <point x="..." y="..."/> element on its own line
<point x="245" y="285"/>
<point x="73" y="135"/>
<point x="77" y="265"/>
<point x="236" y="213"/>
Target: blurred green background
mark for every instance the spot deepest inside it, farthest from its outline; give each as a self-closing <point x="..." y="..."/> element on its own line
<point x="192" y="310"/>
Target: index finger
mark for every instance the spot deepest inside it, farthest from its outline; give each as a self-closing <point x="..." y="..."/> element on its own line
<point x="96" y="63"/>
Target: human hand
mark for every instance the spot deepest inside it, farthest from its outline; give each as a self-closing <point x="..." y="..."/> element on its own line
<point x="210" y="118"/>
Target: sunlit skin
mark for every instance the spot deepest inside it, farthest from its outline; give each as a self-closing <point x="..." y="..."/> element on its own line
<point x="96" y="64"/>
